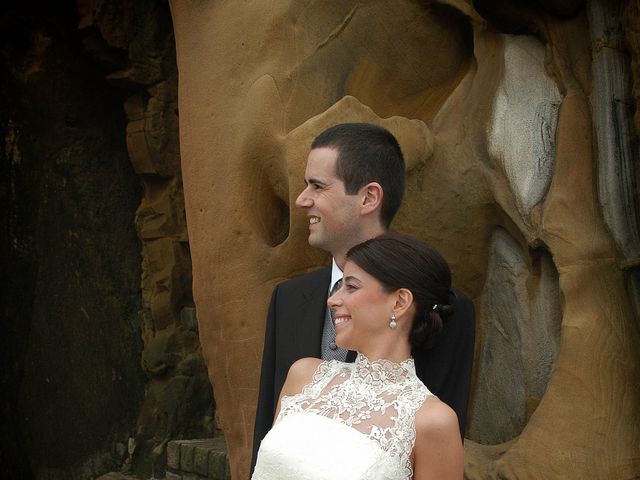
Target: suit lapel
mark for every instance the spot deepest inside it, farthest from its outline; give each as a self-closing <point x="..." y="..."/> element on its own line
<point x="307" y="315"/>
<point x="313" y="297"/>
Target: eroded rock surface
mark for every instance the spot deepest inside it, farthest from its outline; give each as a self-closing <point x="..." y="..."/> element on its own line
<point x="101" y="358"/>
<point x="612" y="110"/>
<point x="178" y="400"/>
<point x="523" y="124"/>
<point x="70" y="297"/>
<point x="519" y="342"/>
<point x="258" y="84"/>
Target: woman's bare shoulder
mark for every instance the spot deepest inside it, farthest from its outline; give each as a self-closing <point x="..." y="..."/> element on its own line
<point x="436" y="417"/>
<point x="304" y="367"/>
<point x="300" y="374"/>
<point x="438" y="450"/>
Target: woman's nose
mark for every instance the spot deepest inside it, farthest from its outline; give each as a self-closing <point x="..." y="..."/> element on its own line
<point x="334" y="300"/>
<point x="331" y="301"/>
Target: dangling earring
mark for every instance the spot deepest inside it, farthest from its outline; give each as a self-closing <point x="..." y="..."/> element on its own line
<point x="393" y="324"/>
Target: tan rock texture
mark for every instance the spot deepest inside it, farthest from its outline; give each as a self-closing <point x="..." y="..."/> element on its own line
<point x="178" y="399"/>
<point x="259" y="81"/>
<point x="101" y="358"/>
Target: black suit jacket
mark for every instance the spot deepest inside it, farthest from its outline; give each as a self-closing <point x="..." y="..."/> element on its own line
<point x="294" y="330"/>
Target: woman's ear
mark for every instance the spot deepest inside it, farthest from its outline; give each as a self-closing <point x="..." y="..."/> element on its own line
<point x="371" y="194"/>
<point x="404" y="300"/>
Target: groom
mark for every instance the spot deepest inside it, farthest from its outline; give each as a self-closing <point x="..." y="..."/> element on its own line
<point x="354" y="186"/>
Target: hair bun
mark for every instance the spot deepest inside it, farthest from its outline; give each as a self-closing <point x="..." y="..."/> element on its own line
<point x="443" y="310"/>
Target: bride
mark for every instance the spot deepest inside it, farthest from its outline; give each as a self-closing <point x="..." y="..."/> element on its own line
<point x="372" y="419"/>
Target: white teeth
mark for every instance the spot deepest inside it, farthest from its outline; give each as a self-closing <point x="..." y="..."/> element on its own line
<point x="340" y="320"/>
<point x="313" y="220"/>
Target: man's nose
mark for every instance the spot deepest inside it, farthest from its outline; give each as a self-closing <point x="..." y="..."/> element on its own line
<point x="303" y="200"/>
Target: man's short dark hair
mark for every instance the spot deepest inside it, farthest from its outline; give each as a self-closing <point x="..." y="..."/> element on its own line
<point x="367" y="153"/>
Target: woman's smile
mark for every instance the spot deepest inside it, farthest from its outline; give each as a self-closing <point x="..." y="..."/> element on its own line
<point x="340" y="319"/>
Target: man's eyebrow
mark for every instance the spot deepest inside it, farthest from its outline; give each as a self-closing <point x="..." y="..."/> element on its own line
<point x="315" y="181"/>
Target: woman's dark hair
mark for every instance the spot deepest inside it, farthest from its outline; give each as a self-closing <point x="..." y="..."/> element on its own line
<point x="400" y="261"/>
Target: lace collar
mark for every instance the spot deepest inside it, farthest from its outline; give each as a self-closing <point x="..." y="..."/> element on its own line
<point x="382" y="370"/>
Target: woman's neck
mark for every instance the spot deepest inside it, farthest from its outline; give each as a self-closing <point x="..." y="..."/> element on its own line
<point x="396" y="353"/>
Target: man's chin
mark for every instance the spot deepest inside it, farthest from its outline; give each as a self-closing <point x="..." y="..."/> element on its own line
<point x="317" y="242"/>
<point x="313" y="240"/>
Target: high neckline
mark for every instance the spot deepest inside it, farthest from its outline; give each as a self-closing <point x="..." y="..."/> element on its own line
<point x="382" y="370"/>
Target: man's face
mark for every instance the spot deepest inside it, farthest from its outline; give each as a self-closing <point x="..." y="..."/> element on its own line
<point x="334" y="217"/>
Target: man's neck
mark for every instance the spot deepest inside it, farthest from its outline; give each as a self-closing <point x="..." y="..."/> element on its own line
<point x="336" y="274"/>
<point x="340" y="256"/>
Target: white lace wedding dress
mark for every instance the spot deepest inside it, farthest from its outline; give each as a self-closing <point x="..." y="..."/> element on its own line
<point x="353" y="421"/>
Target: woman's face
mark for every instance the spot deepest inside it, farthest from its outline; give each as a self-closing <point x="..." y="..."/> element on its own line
<point x="362" y="309"/>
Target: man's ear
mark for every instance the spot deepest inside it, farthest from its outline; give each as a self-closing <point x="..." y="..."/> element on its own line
<point x="371" y="195"/>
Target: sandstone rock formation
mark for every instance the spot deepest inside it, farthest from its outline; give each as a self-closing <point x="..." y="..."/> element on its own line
<point x="101" y="359"/>
<point x="499" y="108"/>
<point x="178" y="399"/>
<point x="70" y="257"/>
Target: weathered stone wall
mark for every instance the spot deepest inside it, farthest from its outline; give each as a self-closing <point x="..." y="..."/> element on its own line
<point x="517" y="124"/>
<point x="99" y="331"/>
<point x="520" y="129"/>
<point x="178" y="402"/>
<point x="71" y="339"/>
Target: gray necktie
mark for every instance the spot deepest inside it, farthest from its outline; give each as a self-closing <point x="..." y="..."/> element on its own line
<point x="328" y="349"/>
